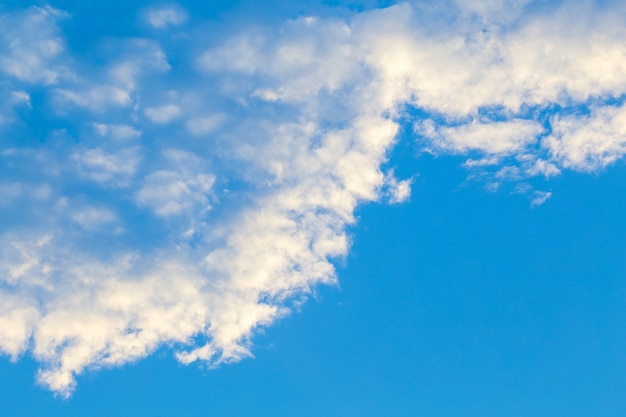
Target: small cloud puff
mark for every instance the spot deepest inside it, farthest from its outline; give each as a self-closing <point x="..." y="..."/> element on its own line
<point x="166" y="16"/>
<point x="397" y="191"/>
<point x="117" y="131"/>
<point x="540" y="198"/>
<point x="21" y="97"/>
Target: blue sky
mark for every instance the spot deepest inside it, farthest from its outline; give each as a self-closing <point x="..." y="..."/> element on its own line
<point x="308" y="209"/>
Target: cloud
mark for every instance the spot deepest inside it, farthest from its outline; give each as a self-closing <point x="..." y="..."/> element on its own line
<point x="540" y="198"/>
<point x="162" y="114"/>
<point x="118" y="132"/>
<point x="97" y="99"/>
<point x="129" y="61"/>
<point x="204" y="125"/>
<point x="498" y="137"/>
<point x="177" y="190"/>
<point x="570" y="52"/>
<point x="12" y="102"/>
<point x="31" y="45"/>
<point x="398" y="191"/>
<point x="21" y="97"/>
<point x="137" y="58"/>
<point x="589" y="142"/>
<point x="166" y="16"/>
<point x="88" y="217"/>
<point x="107" y="168"/>
<point x="195" y="234"/>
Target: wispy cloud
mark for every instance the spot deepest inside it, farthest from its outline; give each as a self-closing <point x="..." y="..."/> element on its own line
<point x="31" y="45"/>
<point x="162" y="114"/>
<point x="165" y="16"/>
<point x="540" y="198"/>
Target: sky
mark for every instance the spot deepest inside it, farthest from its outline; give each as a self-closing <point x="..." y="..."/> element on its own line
<point x="299" y="208"/>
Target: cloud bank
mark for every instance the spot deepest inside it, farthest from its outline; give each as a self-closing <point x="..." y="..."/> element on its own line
<point x="144" y="208"/>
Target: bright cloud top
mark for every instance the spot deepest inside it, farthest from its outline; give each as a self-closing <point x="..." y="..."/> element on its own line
<point x="158" y="210"/>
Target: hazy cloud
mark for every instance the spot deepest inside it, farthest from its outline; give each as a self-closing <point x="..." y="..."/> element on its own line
<point x="165" y="16"/>
<point x="31" y="45"/>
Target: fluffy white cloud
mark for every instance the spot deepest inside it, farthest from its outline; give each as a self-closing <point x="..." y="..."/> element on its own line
<point x="212" y="227"/>
<point x="589" y="142"/>
<point x="398" y="191"/>
<point x="570" y="53"/>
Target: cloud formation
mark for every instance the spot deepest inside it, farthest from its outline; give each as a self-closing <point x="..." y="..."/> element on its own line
<point x="165" y="16"/>
<point x="189" y="212"/>
<point x="32" y="45"/>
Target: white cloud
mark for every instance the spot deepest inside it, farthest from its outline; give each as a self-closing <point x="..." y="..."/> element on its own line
<point x="162" y="114"/>
<point x="311" y="55"/>
<point x="540" y="198"/>
<point x="116" y="85"/>
<point x="31" y="45"/>
<point x="21" y="97"/>
<point x="505" y="137"/>
<point x="88" y="217"/>
<point x="398" y="191"/>
<point x="119" y="131"/>
<point x="167" y="193"/>
<point x="166" y="16"/>
<point x="589" y="143"/>
<point x="138" y="57"/>
<point x="97" y="99"/>
<point x="109" y="169"/>
<point x="570" y="52"/>
<point x="18" y="316"/>
<point x="297" y="121"/>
